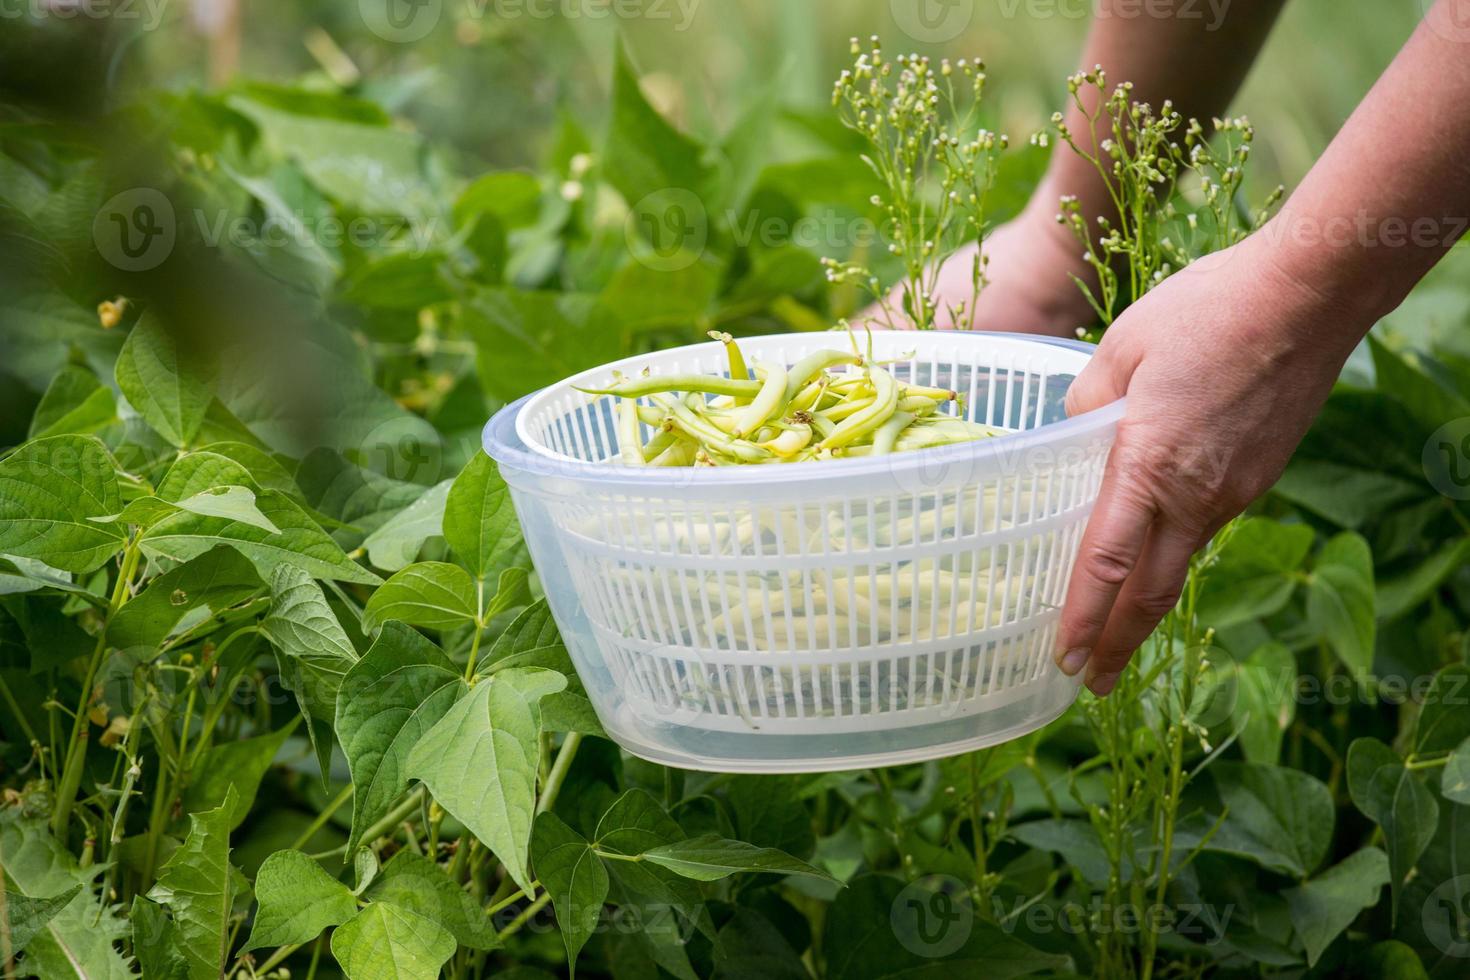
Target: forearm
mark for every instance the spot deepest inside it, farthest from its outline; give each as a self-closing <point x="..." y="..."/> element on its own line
<point x="1392" y="193"/>
<point x="1196" y="54"/>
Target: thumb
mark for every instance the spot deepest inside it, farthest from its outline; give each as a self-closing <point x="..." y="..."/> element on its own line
<point x="1103" y="381"/>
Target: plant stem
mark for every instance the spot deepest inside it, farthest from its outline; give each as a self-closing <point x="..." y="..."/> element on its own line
<point x="469" y="670"/>
<point x="322" y="818"/>
<point x="558" y="775"/>
<point x="76" y="750"/>
<point x="524" y="917"/>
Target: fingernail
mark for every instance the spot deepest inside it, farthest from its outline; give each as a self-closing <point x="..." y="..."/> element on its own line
<point x="1073" y="660"/>
<point x="1102" y="685"/>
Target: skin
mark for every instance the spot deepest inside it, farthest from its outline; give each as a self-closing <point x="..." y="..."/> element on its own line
<point x="1212" y="422"/>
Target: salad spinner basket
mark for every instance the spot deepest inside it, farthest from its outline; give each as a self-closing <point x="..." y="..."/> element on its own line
<point x="823" y="615"/>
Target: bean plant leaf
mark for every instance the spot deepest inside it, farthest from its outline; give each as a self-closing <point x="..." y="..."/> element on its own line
<point x="568" y="711"/>
<point x="1395" y="799"/>
<point x="480" y="762"/>
<point x="385" y="942"/>
<point x="24" y="916"/>
<point x="297" y="900"/>
<point x="1280" y="818"/>
<point x="432" y="594"/>
<point x="573" y="875"/>
<point x="49" y="491"/>
<point x="1340" y="600"/>
<point x="169" y="387"/>
<point x="1444" y="720"/>
<point x="1454" y="781"/>
<point x="1265" y="705"/>
<point x="710" y="858"/>
<point x="398" y="540"/>
<point x="74" y="403"/>
<point x="1323" y="906"/>
<point x="300" y="541"/>
<point x="531" y="640"/>
<point x="234" y="770"/>
<point x="479" y="520"/>
<point x="302" y="626"/>
<point x="413" y="882"/>
<point x="396" y="693"/>
<point x="217" y="579"/>
<point x="878" y="929"/>
<point x="1254" y="575"/>
<point x="198" y="471"/>
<point x="195" y="885"/>
<point x="634" y="824"/>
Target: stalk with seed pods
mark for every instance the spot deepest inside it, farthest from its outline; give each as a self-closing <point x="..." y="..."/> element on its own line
<point x="830" y="404"/>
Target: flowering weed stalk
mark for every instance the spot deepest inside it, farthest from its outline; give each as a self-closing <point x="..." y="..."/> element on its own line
<point x="1175" y="195"/>
<point x="935" y="165"/>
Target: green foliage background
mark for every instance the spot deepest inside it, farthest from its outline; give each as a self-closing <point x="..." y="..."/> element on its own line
<point x="277" y="687"/>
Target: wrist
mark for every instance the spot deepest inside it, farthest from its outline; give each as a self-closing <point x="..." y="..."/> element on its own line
<point x="1334" y="258"/>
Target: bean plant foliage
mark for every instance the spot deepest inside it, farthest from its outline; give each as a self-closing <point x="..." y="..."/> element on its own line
<point x="280" y="695"/>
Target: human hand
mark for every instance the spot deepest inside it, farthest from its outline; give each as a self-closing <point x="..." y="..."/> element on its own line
<point x="1224" y="365"/>
<point x="1031" y="261"/>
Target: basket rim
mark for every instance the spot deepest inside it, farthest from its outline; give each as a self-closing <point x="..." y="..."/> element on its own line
<point x="503" y="443"/>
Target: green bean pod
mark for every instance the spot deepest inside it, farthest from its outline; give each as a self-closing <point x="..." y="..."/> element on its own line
<point x="813" y="366"/>
<point x="630" y="440"/>
<point x="886" y="437"/>
<point x="768" y="404"/>
<point x="885" y="402"/>
<point x="661" y="383"/>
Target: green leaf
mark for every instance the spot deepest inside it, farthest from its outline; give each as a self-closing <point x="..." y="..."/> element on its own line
<point x="1266" y="702"/>
<point x="1454" y="781"/>
<point x="567" y="711"/>
<point x="1406" y="592"/>
<point x="75" y="403"/>
<point x="156" y="942"/>
<point x="78" y="942"/>
<point x="356" y="496"/>
<point x="1325" y="905"/>
<point x="300" y="541"/>
<point x="302" y="627"/>
<point x="384" y="942"/>
<point x="1349" y="496"/>
<point x="633" y="824"/>
<point x="531" y="640"/>
<point x="201" y="470"/>
<point x="398" y="691"/>
<point x="479" y="520"/>
<point x="195" y="885"/>
<point x="879" y="929"/>
<point x="1393" y="960"/>
<point x="1394" y="798"/>
<point x="234" y="767"/>
<point x="1444" y="718"/>
<point x="297" y="901"/>
<point x="480" y="762"/>
<point x="397" y="542"/>
<point x="1280" y="818"/>
<point x="573" y="875"/>
<point x="413" y="882"/>
<point x="216" y="580"/>
<point x="1254" y="576"/>
<point x="643" y="153"/>
<point x="1340" y="601"/>
<point x="432" y="594"/>
<point x="528" y="340"/>
<point x="170" y="387"/>
<point x="49" y="491"/>
<point x="1408" y="377"/>
<point x="710" y="858"/>
<point x="24" y="917"/>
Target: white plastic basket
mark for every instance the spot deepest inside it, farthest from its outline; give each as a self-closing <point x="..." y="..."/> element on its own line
<point x="826" y="615"/>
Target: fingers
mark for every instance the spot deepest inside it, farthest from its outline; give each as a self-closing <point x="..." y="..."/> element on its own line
<point x="1102" y="382"/>
<point x="1150" y="593"/>
<point x="1109" y="553"/>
